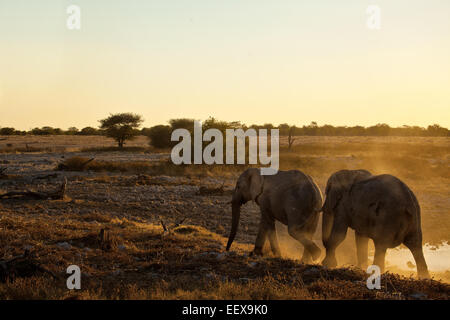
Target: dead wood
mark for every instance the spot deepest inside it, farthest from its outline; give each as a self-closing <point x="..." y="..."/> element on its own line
<point x="106" y="242"/>
<point x="46" y="177"/>
<point x="22" y="266"/>
<point x="169" y="229"/>
<point x="79" y="167"/>
<point x="59" y="194"/>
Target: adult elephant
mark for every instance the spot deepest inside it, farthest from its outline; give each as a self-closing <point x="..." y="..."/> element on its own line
<point x="290" y="197"/>
<point x="381" y="208"/>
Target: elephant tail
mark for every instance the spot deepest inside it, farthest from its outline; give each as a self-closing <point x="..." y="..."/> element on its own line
<point x="317" y="196"/>
<point x="413" y="210"/>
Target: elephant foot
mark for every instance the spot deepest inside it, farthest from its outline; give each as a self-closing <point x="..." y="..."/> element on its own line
<point x="424" y="275"/>
<point x="363" y="266"/>
<point x="315" y="252"/>
<point x="306" y="260"/>
<point x="256" y="252"/>
<point x="277" y="254"/>
<point x="329" y="262"/>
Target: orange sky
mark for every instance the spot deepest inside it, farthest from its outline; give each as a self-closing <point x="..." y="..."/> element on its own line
<point x="253" y="61"/>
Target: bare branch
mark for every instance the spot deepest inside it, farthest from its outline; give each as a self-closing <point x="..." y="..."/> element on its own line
<point x="164" y="225"/>
<point x="55" y="195"/>
<point x="179" y="223"/>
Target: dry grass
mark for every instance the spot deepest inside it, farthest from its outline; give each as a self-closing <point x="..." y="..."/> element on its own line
<point x="189" y="263"/>
<point x="127" y="197"/>
<point x="31" y="149"/>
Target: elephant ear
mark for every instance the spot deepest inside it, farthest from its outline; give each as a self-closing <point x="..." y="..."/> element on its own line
<point x="340" y="184"/>
<point x="364" y="174"/>
<point x="255" y="182"/>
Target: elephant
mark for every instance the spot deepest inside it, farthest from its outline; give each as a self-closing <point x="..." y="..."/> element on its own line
<point x="381" y="207"/>
<point x="290" y="197"/>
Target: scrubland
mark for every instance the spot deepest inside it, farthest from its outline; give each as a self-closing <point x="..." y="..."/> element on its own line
<point x="133" y="194"/>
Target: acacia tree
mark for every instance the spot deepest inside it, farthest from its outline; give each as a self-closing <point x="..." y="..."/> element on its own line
<point x="121" y="126"/>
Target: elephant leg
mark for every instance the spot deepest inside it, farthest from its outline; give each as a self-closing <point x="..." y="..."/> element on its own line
<point x="380" y="255"/>
<point x="362" y="246"/>
<point x="260" y="238"/>
<point x="301" y="236"/>
<point x="337" y="235"/>
<point x="415" y="246"/>
<point x="272" y="234"/>
<point x="306" y="258"/>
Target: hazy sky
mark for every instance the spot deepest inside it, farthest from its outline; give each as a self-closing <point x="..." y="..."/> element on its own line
<point x="256" y="61"/>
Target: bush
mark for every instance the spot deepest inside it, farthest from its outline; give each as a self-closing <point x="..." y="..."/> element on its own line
<point x="7" y="131"/>
<point x="46" y="131"/>
<point x="88" y="131"/>
<point x="159" y="136"/>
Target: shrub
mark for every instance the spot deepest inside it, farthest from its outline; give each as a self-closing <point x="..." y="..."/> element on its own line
<point x="88" y="131"/>
<point x="7" y="131"/>
<point x="160" y="136"/>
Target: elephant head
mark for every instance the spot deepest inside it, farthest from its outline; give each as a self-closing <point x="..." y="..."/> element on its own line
<point x="248" y="187"/>
<point x="339" y="184"/>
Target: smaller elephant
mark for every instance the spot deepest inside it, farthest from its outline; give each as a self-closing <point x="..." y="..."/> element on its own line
<point x="290" y="197"/>
<point x="381" y="208"/>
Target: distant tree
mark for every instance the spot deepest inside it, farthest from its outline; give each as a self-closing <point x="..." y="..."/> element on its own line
<point x="311" y="129"/>
<point x="437" y="131"/>
<point x="88" y="131"/>
<point x="159" y="136"/>
<point x="145" y="131"/>
<point x="57" y="131"/>
<point x="183" y="123"/>
<point x="121" y="126"/>
<point x="381" y="129"/>
<point x="268" y="126"/>
<point x="45" y="131"/>
<point x="72" y="131"/>
<point x="291" y="138"/>
<point x="7" y="131"/>
<point x="284" y="129"/>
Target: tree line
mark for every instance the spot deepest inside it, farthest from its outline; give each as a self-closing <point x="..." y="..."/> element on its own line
<point x="126" y="126"/>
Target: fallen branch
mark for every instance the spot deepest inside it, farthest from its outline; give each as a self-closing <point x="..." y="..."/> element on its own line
<point x="21" y="267"/>
<point x="79" y="167"/>
<point x="48" y="176"/>
<point x="167" y="229"/>
<point x="34" y="195"/>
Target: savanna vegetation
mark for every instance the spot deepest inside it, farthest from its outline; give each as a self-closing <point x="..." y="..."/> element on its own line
<point x="167" y="225"/>
<point x="159" y="133"/>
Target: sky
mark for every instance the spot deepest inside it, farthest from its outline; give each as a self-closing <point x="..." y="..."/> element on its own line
<point x="255" y="61"/>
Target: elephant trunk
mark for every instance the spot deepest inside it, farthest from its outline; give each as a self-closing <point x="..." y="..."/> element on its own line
<point x="236" y="213"/>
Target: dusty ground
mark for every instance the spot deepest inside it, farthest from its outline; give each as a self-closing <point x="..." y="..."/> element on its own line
<point x="189" y="262"/>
